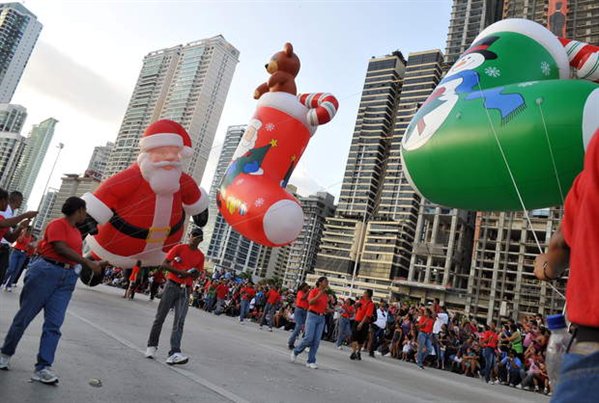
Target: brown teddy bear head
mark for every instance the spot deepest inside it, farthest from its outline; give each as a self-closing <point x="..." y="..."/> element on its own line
<point x="284" y="61"/>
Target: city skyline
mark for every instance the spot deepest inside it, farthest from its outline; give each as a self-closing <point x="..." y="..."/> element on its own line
<point x="92" y="86"/>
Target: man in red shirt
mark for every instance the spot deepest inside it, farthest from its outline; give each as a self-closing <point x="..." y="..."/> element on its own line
<point x="318" y="301"/>
<point x="489" y="341"/>
<point x="184" y="263"/>
<point x="425" y="330"/>
<point x="299" y="314"/>
<point x="574" y="244"/>
<point x="247" y="293"/>
<point x="222" y="291"/>
<point x="364" y="313"/>
<point x="346" y="313"/>
<point x="157" y="280"/>
<point x="272" y="301"/>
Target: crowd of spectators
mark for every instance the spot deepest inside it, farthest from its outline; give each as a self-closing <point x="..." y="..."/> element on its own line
<point x="510" y="353"/>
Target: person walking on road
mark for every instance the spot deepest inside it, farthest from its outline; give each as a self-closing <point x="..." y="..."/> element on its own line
<point x="299" y="314"/>
<point x="49" y="285"/>
<point x="184" y="262"/>
<point x="318" y="301"/>
<point x="364" y="312"/>
<point x="273" y="297"/>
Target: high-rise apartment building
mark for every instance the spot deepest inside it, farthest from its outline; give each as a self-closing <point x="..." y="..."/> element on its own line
<point x="343" y="239"/>
<point x="98" y="161"/>
<point x="304" y="250"/>
<point x="12" y="118"/>
<point x="11" y="150"/>
<point x="46" y="207"/>
<point x="19" y="30"/>
<point x="72" y="185"/>
<point x="31" y="161"/>
<point x="468" y="18"/>
<point x="186" y="83"/>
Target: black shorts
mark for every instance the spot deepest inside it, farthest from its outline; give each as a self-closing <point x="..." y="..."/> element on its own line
<point x="359" y="335"/>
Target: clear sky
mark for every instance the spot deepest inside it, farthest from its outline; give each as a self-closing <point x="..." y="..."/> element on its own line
<point x="88" y="56"/>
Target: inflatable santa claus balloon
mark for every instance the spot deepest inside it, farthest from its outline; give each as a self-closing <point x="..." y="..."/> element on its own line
<point x="507" y="127"/>
<point x="140" y="212"/>
<point x="252" y="196"/>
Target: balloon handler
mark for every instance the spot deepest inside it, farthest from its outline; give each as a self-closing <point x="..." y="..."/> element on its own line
<point x="252" y="196"/>
<point x="140" y="212"/>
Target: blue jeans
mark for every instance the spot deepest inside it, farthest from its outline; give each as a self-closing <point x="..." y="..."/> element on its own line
<point x="425" y="346"/>
<point x="489" y="356"/>
<point x="299" y="315"/>
<point x="314" y="329"/>
<point x="344" y="330"/>
<point x="15" y="263"/>
<point x="268" y="315"/>
<point x="48" y="287"/>
<point x="244" y="309"/>
<point x="578" y="378"/>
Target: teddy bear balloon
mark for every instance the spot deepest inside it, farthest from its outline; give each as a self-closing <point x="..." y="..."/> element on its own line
<point x="252" y="196"/>
<point x="507" y="126"/>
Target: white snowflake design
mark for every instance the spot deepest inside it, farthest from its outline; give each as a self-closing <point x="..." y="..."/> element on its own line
<point x="269" y="127"/>
<point x="259" y="202"/>
<point x="545" y="68"/>
<point x="493" y="72"/>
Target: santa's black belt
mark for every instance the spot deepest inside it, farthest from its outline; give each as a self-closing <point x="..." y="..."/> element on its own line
<point x="149" y="234"/>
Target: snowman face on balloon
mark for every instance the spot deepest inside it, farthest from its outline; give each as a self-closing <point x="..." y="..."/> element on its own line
<point x="467" y="62"/>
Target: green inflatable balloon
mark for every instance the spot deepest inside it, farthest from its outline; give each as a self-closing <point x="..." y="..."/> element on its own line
<point x="507" y="112"/>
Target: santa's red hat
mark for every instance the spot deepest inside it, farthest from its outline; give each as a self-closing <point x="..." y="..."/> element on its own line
<point x="166" y="133"/>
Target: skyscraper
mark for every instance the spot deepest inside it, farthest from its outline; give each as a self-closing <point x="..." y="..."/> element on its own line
<point x="71" y="185"/>
<point x="98" y="161"/>
<point x="12" y="144"/>
<point x="468" y="18"/>
<point x="344" y="234"/>
<point x="304" y="250"/>
<point x="19" y="30"/>
<point x="31" y="161"/>
<point x="186" y="83"/>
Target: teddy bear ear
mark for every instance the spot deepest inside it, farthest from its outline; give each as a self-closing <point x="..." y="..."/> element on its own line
<point x="288" y="49"/>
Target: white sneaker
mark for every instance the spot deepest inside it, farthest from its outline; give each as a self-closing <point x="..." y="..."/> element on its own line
<point x="4" y="361"/>
<point x="519" y="386"/>
<point x="45" y="376"/>
<point x="177" y="359"/>
<point x="151" y="351"/>
<point x="8" y="288"/>
<point x="340" y="348"/>
<point x="270" y="329"/>
<point x="312" y="365"/>
<point x="293" y="356"/>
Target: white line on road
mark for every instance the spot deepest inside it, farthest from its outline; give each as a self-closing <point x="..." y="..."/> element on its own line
<point x="189" y="375"/>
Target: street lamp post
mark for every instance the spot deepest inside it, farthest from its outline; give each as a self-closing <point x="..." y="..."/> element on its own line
<point x="60" y="146"/>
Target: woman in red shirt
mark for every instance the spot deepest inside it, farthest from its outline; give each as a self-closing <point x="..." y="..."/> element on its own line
<point x="364" y="312"/>
<point x="133" y="280"/>
<point x="18" y="256"/>
<point x="299" y="314"/>
<point x="318" y="301"/>
<point x="49" y="284"/>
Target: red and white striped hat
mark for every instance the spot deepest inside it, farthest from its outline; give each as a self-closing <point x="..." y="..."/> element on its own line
<point x="166" y="133"/>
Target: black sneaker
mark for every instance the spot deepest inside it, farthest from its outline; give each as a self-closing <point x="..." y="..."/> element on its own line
<point x="353" y="356"/>
<point x="290" y="347"/>
<point x="359" y="357"/>
<point x="371" y="354"/>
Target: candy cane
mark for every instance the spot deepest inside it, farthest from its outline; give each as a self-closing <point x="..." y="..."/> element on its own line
<point x="584" y="58"/>
<point x="323" y="107"/>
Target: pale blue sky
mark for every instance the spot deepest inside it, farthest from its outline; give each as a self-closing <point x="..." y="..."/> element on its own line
<point x="85" y="65"/>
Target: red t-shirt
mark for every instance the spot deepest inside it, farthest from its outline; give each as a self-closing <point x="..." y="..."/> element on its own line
<point x="366" y="309"/>
<point x="60" y="230"/>
<point x="490" y="339"/>
<point x="272" y="297"/>
<point x="189" y="258"/>
<point x="580" y="228"/>
<point x="3" y="231"/>
<point x="222" y="291"/>
<point x="158" y="277"/>
<point x="301" y="301"/>
<point x="425" y="324"/>
<point x="134" y="273"/>
<point x="348" y="311"/>
<point x="321" y="303"/>
<point x="23" y="242"/>
<point x="248" y="293"/>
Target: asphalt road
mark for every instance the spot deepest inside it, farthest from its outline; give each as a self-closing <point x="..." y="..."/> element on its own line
<point x="104" y="337"/>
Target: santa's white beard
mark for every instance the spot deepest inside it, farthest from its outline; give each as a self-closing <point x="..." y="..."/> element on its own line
<point x="162" y="181"/>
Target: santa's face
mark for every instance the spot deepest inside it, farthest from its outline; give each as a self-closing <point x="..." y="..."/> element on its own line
<point x="161" y="167"/>
<point x="467" y="62"/>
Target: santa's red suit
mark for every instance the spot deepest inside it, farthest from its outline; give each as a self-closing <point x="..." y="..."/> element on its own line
<point x="136" y="223"/>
